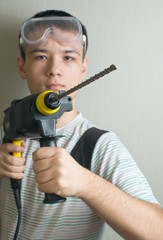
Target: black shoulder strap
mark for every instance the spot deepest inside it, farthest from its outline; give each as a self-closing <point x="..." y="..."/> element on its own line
<point x="83" y="150"/>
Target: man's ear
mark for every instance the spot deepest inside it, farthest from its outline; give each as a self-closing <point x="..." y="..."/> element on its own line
<point x="20" y="66"/>
<point x="85" y="66"/>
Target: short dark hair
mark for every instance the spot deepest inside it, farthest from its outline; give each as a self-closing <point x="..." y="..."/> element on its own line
<point x="56" y="13"/>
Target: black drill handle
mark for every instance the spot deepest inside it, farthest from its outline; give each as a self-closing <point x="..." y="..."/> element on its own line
<point x="50" y="197"/>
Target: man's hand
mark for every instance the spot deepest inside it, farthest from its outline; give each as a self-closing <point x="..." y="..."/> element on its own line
<point x="10" y="166"/>
<point x="57" y="172"/>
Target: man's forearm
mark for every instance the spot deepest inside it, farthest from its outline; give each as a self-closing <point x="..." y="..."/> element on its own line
<point x="132" y="218"/>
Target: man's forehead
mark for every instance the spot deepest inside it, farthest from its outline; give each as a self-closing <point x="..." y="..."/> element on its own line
<point x="59" y="47"/>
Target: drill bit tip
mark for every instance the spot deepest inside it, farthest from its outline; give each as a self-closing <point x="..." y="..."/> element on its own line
<point x="112" y="67"/>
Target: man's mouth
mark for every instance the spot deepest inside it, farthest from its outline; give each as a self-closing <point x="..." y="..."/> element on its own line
<point x="55" y="87"/>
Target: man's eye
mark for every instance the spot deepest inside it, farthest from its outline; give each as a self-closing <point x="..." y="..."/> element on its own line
<point x="41" y="57"/>
<point x="68" y="58"/>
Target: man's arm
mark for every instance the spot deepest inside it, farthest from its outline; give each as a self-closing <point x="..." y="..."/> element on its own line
<point x="134" y="219"/>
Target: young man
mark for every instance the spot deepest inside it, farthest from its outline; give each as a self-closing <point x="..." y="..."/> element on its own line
<point x="112" y="191"/>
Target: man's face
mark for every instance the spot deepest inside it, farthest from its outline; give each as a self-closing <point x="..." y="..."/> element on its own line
<point x="53" y="65"/>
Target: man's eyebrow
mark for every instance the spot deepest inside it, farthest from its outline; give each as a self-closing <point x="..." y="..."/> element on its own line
<point x="72" y="51"/>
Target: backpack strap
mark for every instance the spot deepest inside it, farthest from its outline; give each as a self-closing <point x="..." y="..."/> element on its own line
<point x="83" y="150"/>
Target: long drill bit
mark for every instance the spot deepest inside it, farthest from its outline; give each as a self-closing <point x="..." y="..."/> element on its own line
<point x="86" y="82"/>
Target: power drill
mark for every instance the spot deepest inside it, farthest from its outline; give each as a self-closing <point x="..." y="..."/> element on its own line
<point x="35" y="116"/>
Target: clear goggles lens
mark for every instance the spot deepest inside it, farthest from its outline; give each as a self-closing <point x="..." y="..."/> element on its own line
<point x="38" y="30"/>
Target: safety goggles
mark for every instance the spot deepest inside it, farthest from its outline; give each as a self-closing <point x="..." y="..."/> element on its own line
<point x="36" y="31"/>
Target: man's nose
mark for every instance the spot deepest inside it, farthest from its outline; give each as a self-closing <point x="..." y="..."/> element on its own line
<point x="53" y="67"/>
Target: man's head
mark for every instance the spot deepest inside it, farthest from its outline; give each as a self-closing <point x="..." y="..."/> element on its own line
<point x="52" y="52"/>
<point x="52" y="23"/>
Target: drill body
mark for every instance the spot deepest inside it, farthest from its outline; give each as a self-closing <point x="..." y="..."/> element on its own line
<point x="35" y="117"/>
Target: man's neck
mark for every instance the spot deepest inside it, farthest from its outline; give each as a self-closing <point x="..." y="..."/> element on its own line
<point x="66" y="118"/>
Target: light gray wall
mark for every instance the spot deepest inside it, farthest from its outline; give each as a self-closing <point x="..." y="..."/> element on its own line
<point x="128" y="33"/>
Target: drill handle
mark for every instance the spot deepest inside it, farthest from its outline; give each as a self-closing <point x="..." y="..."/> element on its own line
<point x="50" y="197"/>
<point x="16" y="183"/>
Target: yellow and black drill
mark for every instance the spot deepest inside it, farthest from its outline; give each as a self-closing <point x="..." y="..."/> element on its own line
<point x="35" y="116"/>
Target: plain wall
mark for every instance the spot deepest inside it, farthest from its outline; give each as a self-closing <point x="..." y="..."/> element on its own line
<point x="128" y="101"/>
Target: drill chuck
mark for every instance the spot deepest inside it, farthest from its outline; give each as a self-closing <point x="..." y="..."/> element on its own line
<point x="45" y="103"/>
